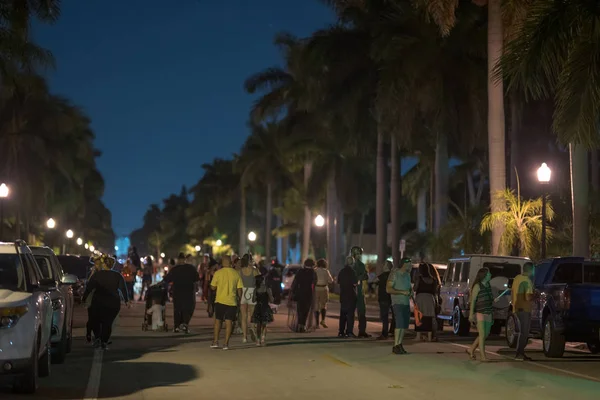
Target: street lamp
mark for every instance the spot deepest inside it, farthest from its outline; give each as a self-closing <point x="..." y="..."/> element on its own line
<point x="51" y="223"/>
<point x="219" y="243"/>
<point x="3" y="194"/>
<point x="544" y="174"/>
<point x="252" y="236"/>
<point x="319" y="221"/>
<point x="70" y="234"/>
<point x="92" y="248"/>
<point x="87" y="246"/>
<point x="162" y="255"/>
<point x="79" y="241"/>
<point x="198" y="248"/>
<point x="116" y="248"/>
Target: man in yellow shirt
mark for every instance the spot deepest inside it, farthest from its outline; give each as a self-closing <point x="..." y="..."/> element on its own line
<point x="522" y="299"/>
<point x="227" y="283"/>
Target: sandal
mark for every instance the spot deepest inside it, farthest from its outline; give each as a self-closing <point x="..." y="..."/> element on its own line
<point x="471" y="354"/>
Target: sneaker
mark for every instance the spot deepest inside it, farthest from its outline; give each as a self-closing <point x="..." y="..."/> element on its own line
<point x="351" y="336"/>
<point x="396" y="350"/>
<point x="176" y="330"/>
<point x="402" y="351"/>
<point x="323" y="324"/>
<point x="522" y="357"/>
<point x="104" y="346"/>
<point x="364" y="335"/>
<point x="244" y="340"/>
<point x="381" y="337"/>
<point x="97" y="343"/>
<point x="226" y="347"/>
<point x="214" y="346"/>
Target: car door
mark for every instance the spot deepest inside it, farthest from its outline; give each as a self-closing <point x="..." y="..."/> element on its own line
<point x="45" y="302"/>
<point x="65" y="289"/>
<point x="455" y="288"/>
<point x="446" y="290"/>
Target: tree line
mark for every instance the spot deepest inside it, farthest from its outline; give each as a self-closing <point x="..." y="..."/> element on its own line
<point x="475" y="92"/>
<point x="47" y="153"/>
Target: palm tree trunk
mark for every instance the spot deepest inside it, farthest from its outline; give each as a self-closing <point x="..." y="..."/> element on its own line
<point x="579" y="199"/>
<point x="307" y="215"/>
<point x="380" y="225"/>
<point x="422" y="211"/>
<point x="595" y="168"/>
<point x="278" y="222"/>
<point x="441" y="182"/>
<point x="243" y="232"/>
<point x="496" y="140"/>
<point x="431" y="199"/>
<point x="349" y="231"/>
<point x="515" y="123"/>
<point x="394" y="201"/>
<point x="268" y="234"/>
<point x="332" y="247"/>
<point x="362" y="228"/>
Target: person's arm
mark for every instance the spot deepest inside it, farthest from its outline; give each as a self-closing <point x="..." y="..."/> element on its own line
<point x="329" y="278"/>
<point x="416" y="286"/>
<point x="123" y="289"/>
<point x="89" y="287"/>
<point x="389" y="287"/>
<point x="529" y="291"/>
<point x="240" y="288"/>
<point x="473" y="300"/>
<point x="270" y="293"/>
<point x="214" y="283"/>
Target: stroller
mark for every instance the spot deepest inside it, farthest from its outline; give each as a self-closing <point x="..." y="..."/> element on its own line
<point x="155" y="292"/>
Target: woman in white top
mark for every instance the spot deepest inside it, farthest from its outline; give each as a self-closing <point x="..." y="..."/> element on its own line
<point x="248" y="274"/>
<point x="321" y="297"/>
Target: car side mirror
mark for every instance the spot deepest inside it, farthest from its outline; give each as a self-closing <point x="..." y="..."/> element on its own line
<point x="69" y="279"/>
<point x="47" y="285"/>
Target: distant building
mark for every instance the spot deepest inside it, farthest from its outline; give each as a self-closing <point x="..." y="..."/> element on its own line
<point x="122" y="246"/>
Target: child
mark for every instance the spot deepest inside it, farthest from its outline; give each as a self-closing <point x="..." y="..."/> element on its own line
<point x="263" y="314"/>
<point x="156" y="312"/>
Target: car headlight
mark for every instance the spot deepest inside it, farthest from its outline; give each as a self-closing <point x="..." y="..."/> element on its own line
<point x="56" y="304"/>
<point x="9" y="316"/>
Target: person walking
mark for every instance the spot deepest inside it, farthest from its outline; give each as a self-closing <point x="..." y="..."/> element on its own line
<point x="263" y="315"/>
<point x="481" y="311"/>
<point x="184" y="278"/>
<point x="324" y="279"/>
<point x="248" y="274"/>
<point x="108" y="288"/>
<point x="128" y="273"/>
<point x="347" y="282"/>
<point x="399" y="287"/>
<point x="385" y="302"/>
<point x="227" y="283"/>
<point x="361" y="307"/>
<point x="274" y="278"/>
<point x="522" y="299"/>
<point x="302" y="292"/>
<point x="427" y="290"/>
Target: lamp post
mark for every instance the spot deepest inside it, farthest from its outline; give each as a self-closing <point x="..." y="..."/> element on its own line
<point x="79" y="241"/>
<point x="69" y="235"/>
<point x="319" y="221"/>
<point x="544" y="174"/>
<point x="3" y="194"/>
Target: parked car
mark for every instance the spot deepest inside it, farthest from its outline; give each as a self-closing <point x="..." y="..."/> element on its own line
<point x="25" y="318"/>
<point x="81" y="268"/>
<point x="62" y="301"/>
<point x="289" y="273"/>
<point x="566" y="305"/>
<point x="456" y="285"/>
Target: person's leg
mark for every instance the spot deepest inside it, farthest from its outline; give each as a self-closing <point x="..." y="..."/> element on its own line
<point x="258" y="331"/>
<point x="109" y="316"/>
<point x="217" y="331"/>
<point x="228" y="331"/>
<point x="89" y="325"/>
<point x="244" y="321"/>
<point x="384" y="309"/>
<point x="350" y="320"/>
<point x="524" y="325"/>
<point x="342" y="322"/>
<point x="251" y="325"/>
<point x="482" y="330"/>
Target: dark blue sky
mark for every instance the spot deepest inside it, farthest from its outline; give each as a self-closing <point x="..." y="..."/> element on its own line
<point x="163" y="83"/>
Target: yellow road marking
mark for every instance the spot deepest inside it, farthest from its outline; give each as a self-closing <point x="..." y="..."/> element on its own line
<point x="336" y="360"/>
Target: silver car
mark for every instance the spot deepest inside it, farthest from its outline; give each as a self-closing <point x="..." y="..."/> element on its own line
<point x="62" y="302"/>
<point x="456" y="286"/>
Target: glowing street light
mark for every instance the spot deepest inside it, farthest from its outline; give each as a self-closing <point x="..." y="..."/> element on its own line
<point x="4" y="190"/>
<point x="92" y="248"/>
<point x="70" y="234"/>
<point x="219" y="242"/>
<point x="79" y="241"/>
<point x="162" y="255"/>
<point x="3" y="194"/>
<point x="86" y="246"/>
<point x="252" y="236"/>
<point x="319" y="221"/>
<point x="544" y="173"/>
<point x="116" y="248"/>
<point x="51" y="223"/>
<point x="198" y="248"/>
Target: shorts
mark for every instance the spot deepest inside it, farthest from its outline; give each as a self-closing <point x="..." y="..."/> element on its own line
<point x="247" y="295"/>
<point x="402" y="315"/>
<point x="224" y="312"/>
<point x="321" y="298"/>
<point x="483" y="317"/>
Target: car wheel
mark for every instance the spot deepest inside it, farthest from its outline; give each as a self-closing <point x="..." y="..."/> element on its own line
<point x="594" y="347"/>
<point x="512" y="331"/>
<point x="553" y="341"/>
<point x="44" y="361"/>
<point x="61" y="348"/>
<point x="460" y="324"/>
<point x="29" y="382"/>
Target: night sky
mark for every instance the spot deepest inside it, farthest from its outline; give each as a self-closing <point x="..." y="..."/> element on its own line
<point x="163" y="84"/>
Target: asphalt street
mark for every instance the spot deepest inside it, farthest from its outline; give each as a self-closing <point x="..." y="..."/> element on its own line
<point x="153" y="365"/>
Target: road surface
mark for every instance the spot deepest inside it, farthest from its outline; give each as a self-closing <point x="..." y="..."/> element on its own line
<point x="146" y="365"/>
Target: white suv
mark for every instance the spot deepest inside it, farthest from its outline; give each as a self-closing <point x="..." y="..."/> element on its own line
<point x="25" y="318"/>
<point x="62" y="301"/>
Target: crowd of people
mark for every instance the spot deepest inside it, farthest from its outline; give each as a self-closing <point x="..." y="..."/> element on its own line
<point x="242" y="297"/>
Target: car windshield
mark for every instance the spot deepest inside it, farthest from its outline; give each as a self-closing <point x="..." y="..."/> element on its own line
<point x="12" y="274"/>
<point x="45" y="266"/>
<point x="75" y="265"/>
<point x="504" y="269"/>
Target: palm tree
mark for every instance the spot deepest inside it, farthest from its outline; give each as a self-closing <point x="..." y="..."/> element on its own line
<point x="554" y="56"/>
<point x="522" y="220"/>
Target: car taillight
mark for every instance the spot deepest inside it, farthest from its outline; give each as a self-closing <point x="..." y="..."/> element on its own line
<point x="9" y="316"/>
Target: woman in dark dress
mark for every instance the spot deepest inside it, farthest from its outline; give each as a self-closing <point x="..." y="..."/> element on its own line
<point x="302" y="292"/>
<point x="108" y="287"/>
<point x="263" y="314"/>
<point x="426" y="291"/>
